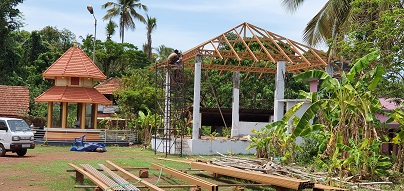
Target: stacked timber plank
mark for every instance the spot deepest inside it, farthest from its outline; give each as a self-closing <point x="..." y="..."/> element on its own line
<point x="284" y="182"/>
<point x="109" y="180"/>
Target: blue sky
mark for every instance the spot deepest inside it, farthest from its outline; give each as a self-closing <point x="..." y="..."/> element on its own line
<point x="181" y="24"/>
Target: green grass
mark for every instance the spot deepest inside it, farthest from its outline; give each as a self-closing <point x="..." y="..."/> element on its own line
<point x="55" y="176"/>
<point x="51" y="175"/>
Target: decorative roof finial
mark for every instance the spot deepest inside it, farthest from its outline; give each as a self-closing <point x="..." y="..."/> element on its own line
<point x="75" y="43"/>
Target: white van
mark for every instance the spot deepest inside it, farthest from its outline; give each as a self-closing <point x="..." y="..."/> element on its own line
<point x="15" y="136"/>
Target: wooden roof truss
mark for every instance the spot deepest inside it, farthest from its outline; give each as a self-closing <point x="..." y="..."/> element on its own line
<point x="248" y="48"/>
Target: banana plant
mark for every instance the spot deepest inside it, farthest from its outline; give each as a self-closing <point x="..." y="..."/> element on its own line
<point x="347" y="104"/>
<point x="275" y="140"/>
<point x="398" y="116"/>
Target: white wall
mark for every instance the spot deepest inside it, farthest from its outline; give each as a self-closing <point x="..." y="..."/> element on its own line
<point x="246" y="127"/>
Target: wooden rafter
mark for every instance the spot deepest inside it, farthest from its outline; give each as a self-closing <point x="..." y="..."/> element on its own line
<point x="272" y="49"/>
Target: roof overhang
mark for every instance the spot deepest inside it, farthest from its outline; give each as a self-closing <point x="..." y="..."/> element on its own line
<point x="73" y="95"/>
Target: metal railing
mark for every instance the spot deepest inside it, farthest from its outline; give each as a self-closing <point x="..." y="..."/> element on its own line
<point x="92" y="135"/>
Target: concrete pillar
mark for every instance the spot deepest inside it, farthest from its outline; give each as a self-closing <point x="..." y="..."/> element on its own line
<point x="64" y="114"/>
<point x="82" y="118"/>
<point x="167" y="105"/>
<point x="235" y="116"/>
<point x="50" y="113"/>
<point x="197" y="98"/>
<point x="330" y="70"/>
<point x="279" y="90"/>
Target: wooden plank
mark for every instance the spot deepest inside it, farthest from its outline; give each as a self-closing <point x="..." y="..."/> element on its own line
<point x="182" y="161"/>
<point x="112" y="185"/>
<point x="192" y="179"/>
<point x="100" y="184"/>
<point x="283" y="182"/>
<point x="148" y="184"/>
<point x="320" y="187"/>
<point x="119" y="179"/>
<point x="70" y="136"/>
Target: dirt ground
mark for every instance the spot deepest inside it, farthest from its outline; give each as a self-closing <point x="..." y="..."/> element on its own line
<point x="24" y="180"/>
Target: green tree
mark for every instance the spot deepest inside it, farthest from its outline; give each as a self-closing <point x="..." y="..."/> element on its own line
<point x="376" y="26"/>
<point x="126" y="11"/>
<point x="9" y="55"/>
<point x="151" y="25"/>
<point x="39" y="50"/>
<point x="117" y="59"/>
<point x="110" y="29"/>
<point x="137" y="93"/>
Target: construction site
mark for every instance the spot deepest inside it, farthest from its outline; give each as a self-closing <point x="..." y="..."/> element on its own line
<point x="246" y="49"/>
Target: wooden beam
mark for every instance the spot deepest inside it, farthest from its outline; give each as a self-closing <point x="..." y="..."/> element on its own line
<point x="231" y="47"/>
<point x="247" y="48"/>
<point x="189" y="178"/>
<point x="283" y="182"/>
<point x="236" y="68"/>
<point x="118" y="179"/>
<point x="147" y="184"/>
<point x="320" y="187"/>
<point x="102" y="177"/>
<point x="99" y="183"/>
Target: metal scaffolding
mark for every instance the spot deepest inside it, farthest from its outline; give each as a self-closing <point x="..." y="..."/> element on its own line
<point x="170" y="82"/>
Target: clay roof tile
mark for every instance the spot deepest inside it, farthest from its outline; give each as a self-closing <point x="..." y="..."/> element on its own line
<point x="74" y="63"/>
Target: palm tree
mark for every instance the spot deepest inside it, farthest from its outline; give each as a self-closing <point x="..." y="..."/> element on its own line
<point x="328" y="23"/>
<point x="126" y="10"/>
<point x="110" y="29"/>
<point x="151" y="24"/>
<point x="163" y="52"/>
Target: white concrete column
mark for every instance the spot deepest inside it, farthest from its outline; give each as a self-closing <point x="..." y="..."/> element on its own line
<point x="235" y="115"/>
<point x="167" y="105"/>
<point x="330" y="70"/>
<point x="197" y="99"/>
<point x="279" y="90"/>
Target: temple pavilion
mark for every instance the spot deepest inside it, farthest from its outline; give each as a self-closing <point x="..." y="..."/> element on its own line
<point x="74" y="74"/>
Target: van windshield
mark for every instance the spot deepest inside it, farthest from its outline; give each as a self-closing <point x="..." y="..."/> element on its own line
<point x="18" y="125"/>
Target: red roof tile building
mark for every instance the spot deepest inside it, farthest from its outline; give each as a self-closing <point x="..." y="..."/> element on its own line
<point x="108" y="86"/>
<point x="74" y="74"/>
<point x="14" y="101"/>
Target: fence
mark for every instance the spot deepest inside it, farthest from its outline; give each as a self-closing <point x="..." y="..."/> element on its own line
<point x="92" y="135"/>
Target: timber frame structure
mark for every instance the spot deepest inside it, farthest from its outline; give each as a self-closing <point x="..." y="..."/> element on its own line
<point x="244" y="48"/>
<point x="242" y="42"/>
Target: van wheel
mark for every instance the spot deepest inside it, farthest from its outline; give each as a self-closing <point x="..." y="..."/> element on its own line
<point x="2" y="151"/>
<point x="21" y="152"/>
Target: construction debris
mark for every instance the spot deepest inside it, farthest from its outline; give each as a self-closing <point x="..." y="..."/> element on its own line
<point x="274" y="167"/>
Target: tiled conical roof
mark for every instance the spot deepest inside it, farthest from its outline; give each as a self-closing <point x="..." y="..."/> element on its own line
<point x="74" y="63"/>
<point x="72" y="94"/>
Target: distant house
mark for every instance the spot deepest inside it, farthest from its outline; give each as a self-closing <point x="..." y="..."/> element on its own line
<point x="389" y="104"/>
<point x="108" y="112"/>
<point x="14" y="101"/>
<point x="107" y="88"/>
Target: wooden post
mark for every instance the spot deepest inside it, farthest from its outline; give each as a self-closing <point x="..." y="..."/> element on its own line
<point x="64" y="114"/>
<point x="143" y="174"/>
<point x="50" y="113"/>
<point x="94" y="112"/>
<point x="79" y="177"/>
<point x="83" y="116"/>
